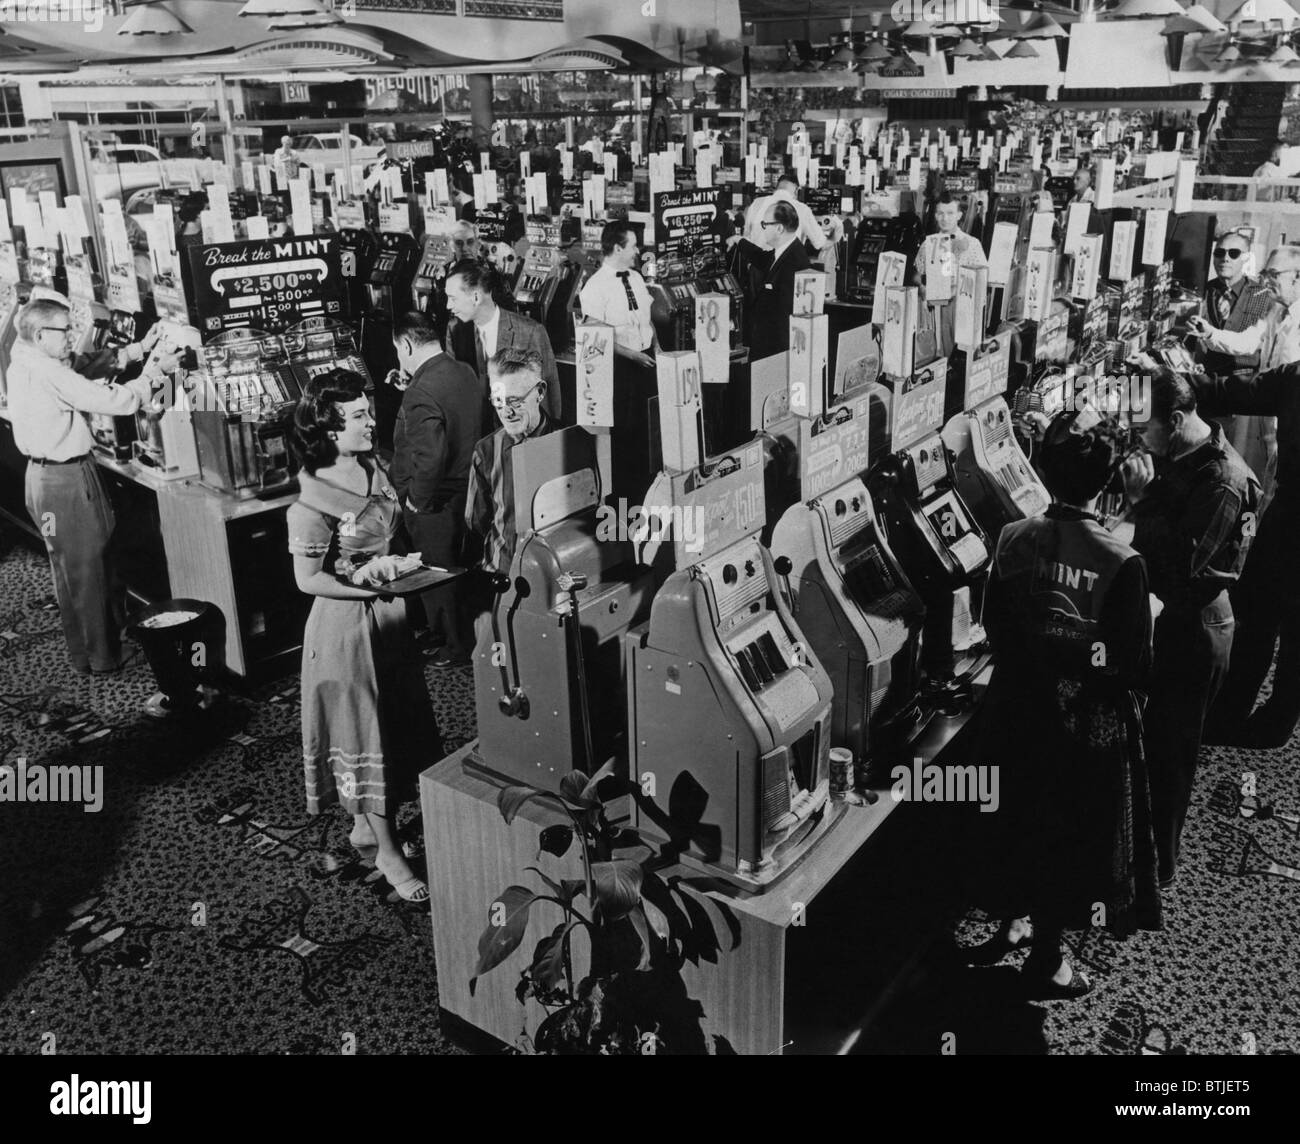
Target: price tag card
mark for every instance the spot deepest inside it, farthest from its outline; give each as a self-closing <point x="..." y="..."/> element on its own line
<point x="917" y="408"/>
<point x="594" y="357"/>
<point x="1122" y="240"/>
<point x="1076" y="225"/>
<point x="809" y="291"/>
<point x="890" y="269"/>
<point x="1002" y="250"/>
<point x="1155" y="226"/>
<point x="258" y="227"/>
<point x="809" y="355"/>
<point x="987" y="371"/>
<point x="300" y="201"/>
<point x="264" y="179"/>
<point x="713" y="337"/>
<point x="901" y="307"/>
<point x="1184" y="185"/>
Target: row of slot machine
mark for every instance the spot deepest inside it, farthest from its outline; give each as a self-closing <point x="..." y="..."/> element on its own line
<point x="818" y="587"/>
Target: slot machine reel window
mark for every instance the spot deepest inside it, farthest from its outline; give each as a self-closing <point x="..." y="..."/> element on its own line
<point x="872" y="584"/>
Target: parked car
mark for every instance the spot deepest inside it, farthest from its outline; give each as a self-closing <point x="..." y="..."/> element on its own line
<point x="327" y="150"/>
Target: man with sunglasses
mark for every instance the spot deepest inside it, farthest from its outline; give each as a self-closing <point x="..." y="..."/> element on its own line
<point x="1276" y="339"/>
<point x="66" y="498"/>
<point x="518" y="394"/>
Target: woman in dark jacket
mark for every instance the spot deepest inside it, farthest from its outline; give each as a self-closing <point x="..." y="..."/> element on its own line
<point x="1070" y="619"/>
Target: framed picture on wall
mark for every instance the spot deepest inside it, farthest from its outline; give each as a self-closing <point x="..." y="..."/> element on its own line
<point x="33" y="177"/>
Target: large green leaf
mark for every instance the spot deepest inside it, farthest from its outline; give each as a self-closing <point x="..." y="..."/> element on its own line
<point x="563" y="892"/>
<point x="556" y="840"/>
<point x="512" y="799"/>
<point x="589" y="797"/>
<point x="499" y="941"/>
<point x="572" y="786"/>
<point x="637" y="919"/>
<point x="617" y="886"/>
<point x="656" y="917"/>
<point x="548" y="958"/>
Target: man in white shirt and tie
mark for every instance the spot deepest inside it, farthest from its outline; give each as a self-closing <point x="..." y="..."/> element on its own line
<point x="66" y="498"/>
<point x="1275" y="337"/>
<point x="616" y="295"/>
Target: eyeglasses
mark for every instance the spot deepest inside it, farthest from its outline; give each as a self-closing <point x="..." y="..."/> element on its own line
<point x="1228" y="252"/>
<point x="514" y="404"/>
<point x="769" y="222"/>
<point x="1274" y="275"/>
<point x="64" y="330"/>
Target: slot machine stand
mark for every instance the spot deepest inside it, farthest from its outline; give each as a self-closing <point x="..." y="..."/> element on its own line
<point x="783" y="977"/>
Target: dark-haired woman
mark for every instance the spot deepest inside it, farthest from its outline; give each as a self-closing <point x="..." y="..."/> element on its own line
<point x="1069" y="616"/>
<point x="366" y="716"/>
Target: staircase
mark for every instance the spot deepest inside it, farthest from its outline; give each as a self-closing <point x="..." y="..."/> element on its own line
<point x="1247" y="130"/>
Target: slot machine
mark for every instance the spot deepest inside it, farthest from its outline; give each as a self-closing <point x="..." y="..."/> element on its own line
<point x="675" y="287"/>
<point x="44" y="269"/>
<point x="164" y="426"/>
<point x="12" y="298"/>
<point x="870" y="240"/>
<point x="244" y="396"/>
<point x="729" y="711"/>
<point x="435" y="257"/>
<point x="929" y="526"/>
<point x="715" y="278"/>
<point x="937" y="540"/>
<point x="388" y="293"/>
<point x="547" y="281"/>
<point x="317" y="345"/>
<point x="116" y="436"/>
<point x="993" y="475"/>
<point x="554" y="701"/>
<point x="357" y="251"/>
<point x="862" y="617"/>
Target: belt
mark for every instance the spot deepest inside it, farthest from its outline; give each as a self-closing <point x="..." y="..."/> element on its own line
<point x="69" y="461"/>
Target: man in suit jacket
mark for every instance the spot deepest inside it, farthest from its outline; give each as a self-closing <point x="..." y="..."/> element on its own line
<point x="470" y="290"/>
<point x="439" y="423"/>
<point x="770" y="299"/>
<point x="1234" y="302"/>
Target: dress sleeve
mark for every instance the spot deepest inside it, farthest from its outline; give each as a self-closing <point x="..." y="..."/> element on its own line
<point x="310" y="533"/>
<point x="1125" y="624"/>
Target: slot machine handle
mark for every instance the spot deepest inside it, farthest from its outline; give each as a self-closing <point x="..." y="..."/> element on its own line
<point x="513" y="702"/>
<point x="572" y="583"/>
<point x="783" y="566"/>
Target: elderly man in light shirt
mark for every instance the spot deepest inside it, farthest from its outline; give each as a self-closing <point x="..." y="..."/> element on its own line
<point x="787" y="187"/>
<point x="1275" y="337"/>
<point x="66" y="498"/>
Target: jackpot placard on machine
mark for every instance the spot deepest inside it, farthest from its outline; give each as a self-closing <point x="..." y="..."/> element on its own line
<point x="729" y="711"/>
<point x="846" y="589"/>
<point x="548" y="663"/>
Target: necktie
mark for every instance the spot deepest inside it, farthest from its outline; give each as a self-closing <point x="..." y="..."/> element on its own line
<point x="480" y="351"/>
<point x="624" y="276"/>
<point x="1222" y="306"/>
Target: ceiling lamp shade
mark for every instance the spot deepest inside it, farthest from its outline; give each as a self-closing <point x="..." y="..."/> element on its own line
<point x="1284" y="54"/>
<point x="1041" y="27"/>
<point x="968" y="49"/>
<point x="297" y="23"/>
<point x="1197" y="18"/>
<point x="274" y="9"/>
<point x="843" y="59"/>
<point x="153" y="20"/>
<point x="1263" y="11"/>
<point x="1146" y="10"/>
<point x="1022" y="50"/>
<point x="874" y="51"/>
<point x="1230" y="55"/>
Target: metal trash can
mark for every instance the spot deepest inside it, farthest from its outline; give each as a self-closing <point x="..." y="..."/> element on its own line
<point x="185" y="644"/>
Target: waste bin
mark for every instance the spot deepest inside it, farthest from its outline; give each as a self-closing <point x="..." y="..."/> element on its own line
<point x="185" y="644"/>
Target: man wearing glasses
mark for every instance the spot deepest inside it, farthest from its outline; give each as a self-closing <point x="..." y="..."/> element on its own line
<point x="518" y="393"/>
<point x="1275" y="337"/>
<point x="67" y="500"/>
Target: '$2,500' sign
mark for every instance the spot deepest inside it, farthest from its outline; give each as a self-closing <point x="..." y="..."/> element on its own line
<point x="269" y="284"/>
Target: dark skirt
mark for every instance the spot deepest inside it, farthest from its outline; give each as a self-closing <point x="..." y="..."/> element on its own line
<point x="1073" y="836"/>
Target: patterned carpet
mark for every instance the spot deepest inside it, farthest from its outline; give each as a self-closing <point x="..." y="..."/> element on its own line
<point x="202" y="911"/>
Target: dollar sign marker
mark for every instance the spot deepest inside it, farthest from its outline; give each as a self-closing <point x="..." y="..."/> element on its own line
<point x="711" y="321"/>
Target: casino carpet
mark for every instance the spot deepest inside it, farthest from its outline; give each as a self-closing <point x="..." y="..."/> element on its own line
<point x="203" y="911"/>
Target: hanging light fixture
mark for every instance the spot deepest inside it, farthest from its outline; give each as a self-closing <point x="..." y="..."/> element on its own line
<point x="1195" y="19"/>
<point x="1283" y="54"/>
<point x="1041" y="26"/>
<point x="1022" y="50"/>
<point x="967" y="49"/>
<point x="1146" y="10"/>
<point x="841" y="59"/>
<point x="153" y="20"/>
<point x="1230" y="55"/>
<point x="275" y="9"/>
